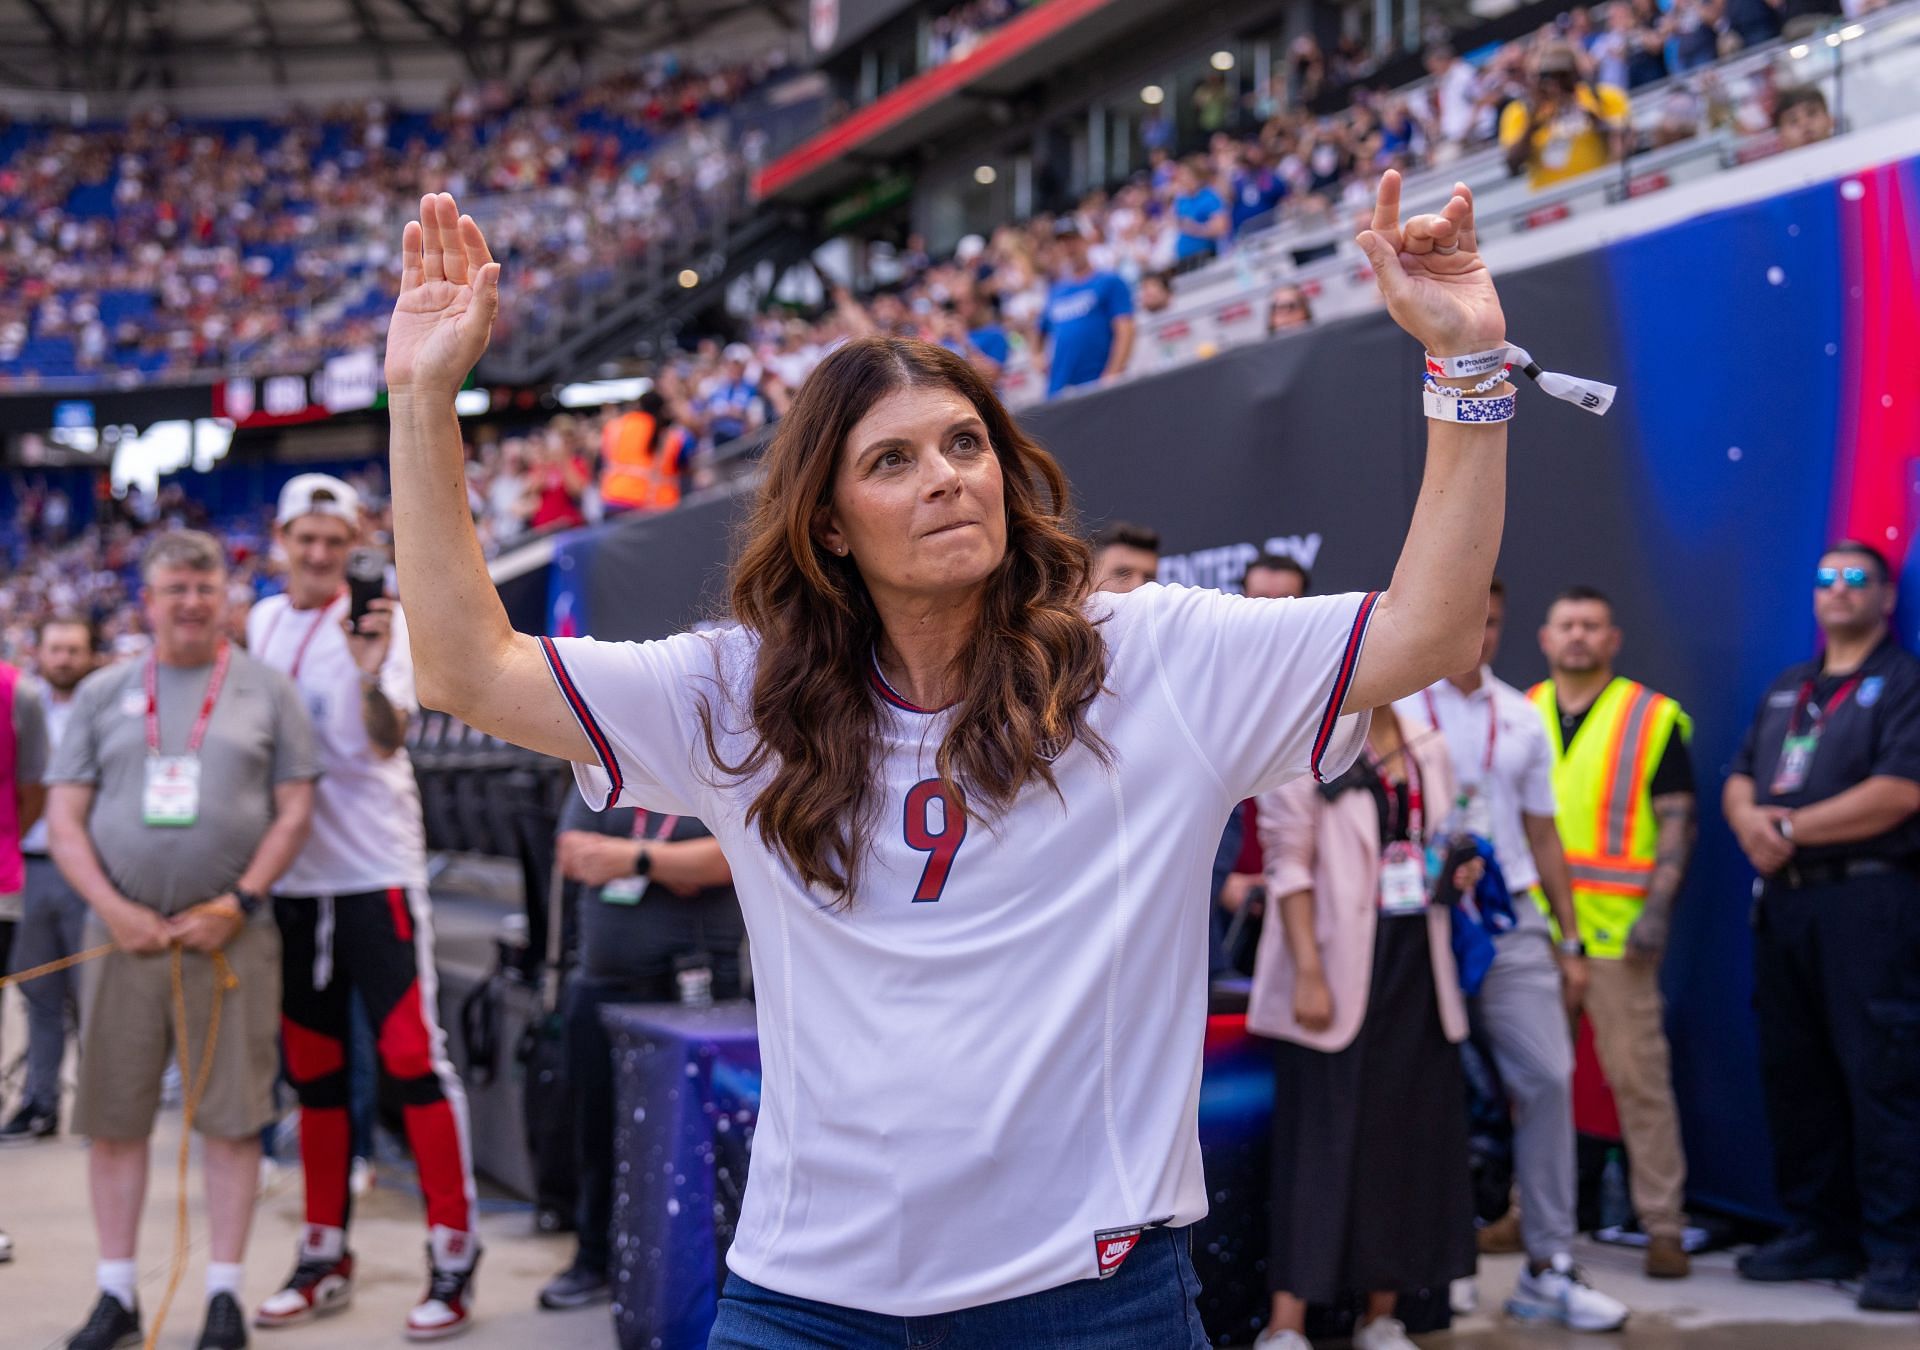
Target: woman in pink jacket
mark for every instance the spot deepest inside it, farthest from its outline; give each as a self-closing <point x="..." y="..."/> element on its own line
<point x="1357" y="984"/>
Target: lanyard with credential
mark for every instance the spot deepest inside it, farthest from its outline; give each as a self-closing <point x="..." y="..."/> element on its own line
<point x="1416" y="815"/>
<point x="198" y="735"/>
<point x="300" y="652"/>
<point x="1803" y="707"/>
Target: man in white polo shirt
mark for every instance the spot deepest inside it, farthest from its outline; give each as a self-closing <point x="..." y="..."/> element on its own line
<point x="354" y="918"/>
<point x="1505" y="771"/>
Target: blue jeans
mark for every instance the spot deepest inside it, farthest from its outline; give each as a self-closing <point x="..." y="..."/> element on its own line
<point x="1147" y="1305"/>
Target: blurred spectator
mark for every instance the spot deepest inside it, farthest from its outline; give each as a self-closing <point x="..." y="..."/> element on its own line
<point x="1565" y="126"/>
<point x="1088" y="317"/>
<point x="1456" y="95"/>
<point x="1289" y="309"/>
<point x="1203" y="216"/>
<point x="734" y="407"/>
<point x="1125" y="557"/>
<point x="1800" y="116"/>
<point x="1155" y="294"/>
<point x="641" y="458"/>
<point x="954" y="35"/>
<point x="1694" y="26"/>
<point x="560" y="477"/>
<point x="1257" y="186"/>
<point x="1212" y="103"/>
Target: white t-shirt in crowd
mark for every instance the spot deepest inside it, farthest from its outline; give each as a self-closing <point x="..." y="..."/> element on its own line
<point x="993" y="1055"/>
<point x="1520" y="778"/>
<point x="367" y="830"/>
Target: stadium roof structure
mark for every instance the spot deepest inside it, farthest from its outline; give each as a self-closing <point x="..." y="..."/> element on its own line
<point x="128" y="46"/>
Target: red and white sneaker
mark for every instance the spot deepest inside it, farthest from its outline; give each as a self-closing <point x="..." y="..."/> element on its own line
<point x="447" y="1307"/>
<point x="315" y="1289"/>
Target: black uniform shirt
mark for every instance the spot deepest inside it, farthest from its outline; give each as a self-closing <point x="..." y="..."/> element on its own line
<point x="636" y="943"/>
<point x="1875" y="732"/>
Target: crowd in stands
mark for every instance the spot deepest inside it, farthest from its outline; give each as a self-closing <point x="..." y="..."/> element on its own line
<point x="956" y="33"/>
<point x="164" y="248"/>
<point x="1556" y="99"/>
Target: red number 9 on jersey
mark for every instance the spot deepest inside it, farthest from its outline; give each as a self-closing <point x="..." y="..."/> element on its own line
<point x="938" y="832"/>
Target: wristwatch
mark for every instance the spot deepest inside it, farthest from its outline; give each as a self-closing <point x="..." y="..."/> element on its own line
<point x="1784" y="824"/>
<point x="644" y="863"/>
<point x="249" y="902"/>
<point x="1572" y="946"/>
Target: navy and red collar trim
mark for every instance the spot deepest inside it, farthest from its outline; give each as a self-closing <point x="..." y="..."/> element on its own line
<point x="892" y="695"/>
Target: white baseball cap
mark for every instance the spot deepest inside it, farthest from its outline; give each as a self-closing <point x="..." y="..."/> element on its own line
<point x="318" y="494"/>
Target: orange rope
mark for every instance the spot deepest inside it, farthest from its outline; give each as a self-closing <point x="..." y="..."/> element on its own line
<point x="52" y="966"/>
<point x="195" y="1079"/>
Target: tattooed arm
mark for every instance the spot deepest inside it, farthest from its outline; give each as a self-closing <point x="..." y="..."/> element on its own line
<point x="1675" y="812"/>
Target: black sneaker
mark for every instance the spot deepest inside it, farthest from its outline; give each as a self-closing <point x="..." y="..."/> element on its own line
<point x="1892" y="1285"/>
<point x="30" y="1124"/>
<point x="226" y="1329"/>
<point x="111" y="1327"/>
<point x="576" y="1287"/>
<point x="1799" y="1255"/>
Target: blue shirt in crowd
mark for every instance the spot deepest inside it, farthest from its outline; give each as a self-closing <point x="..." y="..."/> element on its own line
<point x="1255" y="192"/>
<point x="1198" y="207"/>
<point x="1079" y="318"/>
<point x="728" y="409"/>
<point x="992" y="342"/>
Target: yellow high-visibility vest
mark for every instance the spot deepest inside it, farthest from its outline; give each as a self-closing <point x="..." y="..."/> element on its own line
<point x="1603" y="787"/>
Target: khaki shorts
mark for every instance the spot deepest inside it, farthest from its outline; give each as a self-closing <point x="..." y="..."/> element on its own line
<point x="127" y="1036"/>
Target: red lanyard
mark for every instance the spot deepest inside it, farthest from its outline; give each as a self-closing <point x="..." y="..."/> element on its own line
<point x="300" y="652"/>
<point x="1493" y="726"/>
<point x="1819" y="720"/>
<point x="1416" y="817"/>
<point x="667" y="823"/>
<point x="199" y="733"/>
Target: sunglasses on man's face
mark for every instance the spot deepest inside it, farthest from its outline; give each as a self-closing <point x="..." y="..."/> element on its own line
<point x="1826" y="578"/>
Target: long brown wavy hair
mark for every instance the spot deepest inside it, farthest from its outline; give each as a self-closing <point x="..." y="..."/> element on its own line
<point x="1026" y="679"/>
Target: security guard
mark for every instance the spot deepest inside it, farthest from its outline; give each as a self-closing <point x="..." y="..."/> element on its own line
<point x="1624" y="787"/>
<point x="1823" y="798"/>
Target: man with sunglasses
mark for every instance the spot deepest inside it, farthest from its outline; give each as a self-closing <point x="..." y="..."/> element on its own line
<point x="1823" y="799"/>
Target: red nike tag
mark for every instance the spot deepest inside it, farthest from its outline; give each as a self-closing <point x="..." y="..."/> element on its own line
<point x="1111" y="1246"/>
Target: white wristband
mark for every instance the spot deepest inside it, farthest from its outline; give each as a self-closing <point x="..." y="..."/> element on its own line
<point x="1591" y="395"/>
<point x="1465" y="367"/>
<point x="1475" y="410"/>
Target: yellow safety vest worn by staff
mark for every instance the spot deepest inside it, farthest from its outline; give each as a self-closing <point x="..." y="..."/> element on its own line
<point x="1603" y="783"/>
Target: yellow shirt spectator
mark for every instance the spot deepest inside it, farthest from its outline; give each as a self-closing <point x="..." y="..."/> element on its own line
<point x="1571" y="140"/>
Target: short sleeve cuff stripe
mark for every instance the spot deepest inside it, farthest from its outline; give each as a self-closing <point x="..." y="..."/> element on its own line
<point x="1349" y="662"/>
<point x="595" y="736"/>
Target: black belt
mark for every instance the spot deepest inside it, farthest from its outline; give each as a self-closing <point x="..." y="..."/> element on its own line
<point x="1800" y="876"/>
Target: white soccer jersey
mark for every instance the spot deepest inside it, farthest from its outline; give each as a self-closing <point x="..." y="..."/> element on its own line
<point x="367" y="830"/>
<point x="993" y="1056"/>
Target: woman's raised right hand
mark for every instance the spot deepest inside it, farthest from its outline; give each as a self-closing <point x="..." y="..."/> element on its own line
<point x="449" y="293"/>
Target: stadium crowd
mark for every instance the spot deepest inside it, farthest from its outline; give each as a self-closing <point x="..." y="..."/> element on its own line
<point x="1556" y="99"/>
<point x="165" y="248"/>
